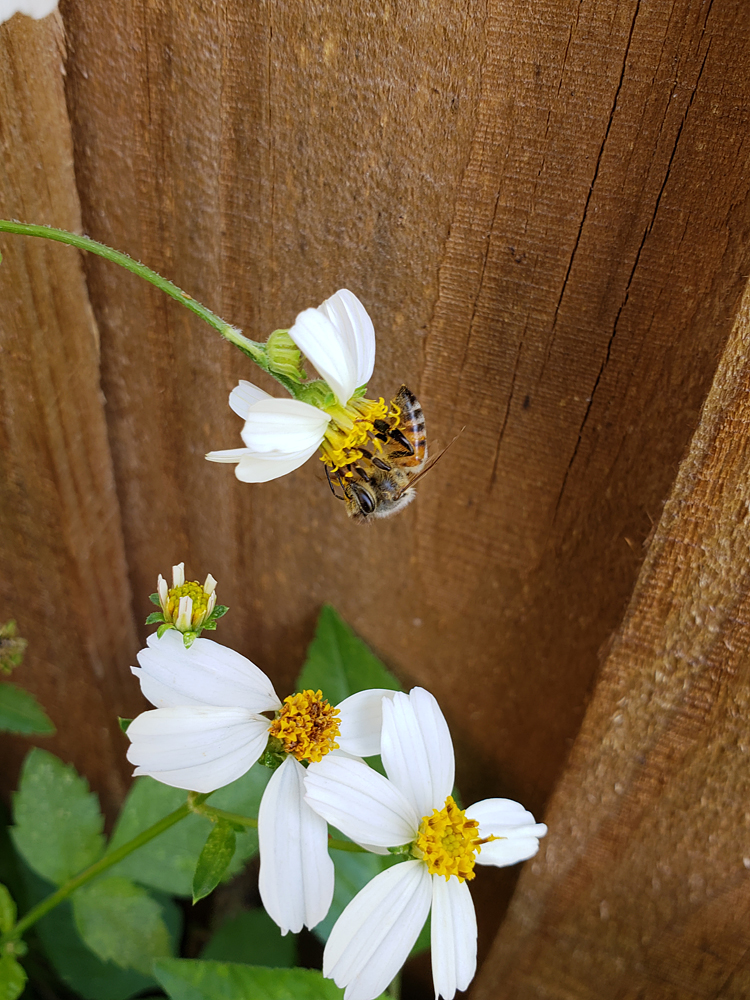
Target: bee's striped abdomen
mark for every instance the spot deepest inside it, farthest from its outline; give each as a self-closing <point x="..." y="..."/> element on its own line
<point x="409" y="446"/>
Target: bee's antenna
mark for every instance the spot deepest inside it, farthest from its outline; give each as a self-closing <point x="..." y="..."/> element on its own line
<point x="432" y="464"/>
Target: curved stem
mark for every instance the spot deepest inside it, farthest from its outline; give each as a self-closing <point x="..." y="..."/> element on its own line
<point x="65" y="890"/>
<point x="251" y="348"/>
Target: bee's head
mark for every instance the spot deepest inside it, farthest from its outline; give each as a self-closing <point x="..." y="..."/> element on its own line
<point x="371" y="500"/>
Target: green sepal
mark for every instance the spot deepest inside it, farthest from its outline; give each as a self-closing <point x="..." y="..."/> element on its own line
<point x="163" y="628"/>
<point x="7" y="910"/>
<point x="218" y="612"/>
<point x="214" y="859"/>
<point x="189" y="638"/>
<point x="274" y="755"/>
<point x="360" y="392"/>
<point x="154" y="598"/>
<point x="124" y="723"/>
<point x="12" y="978"/>
<point x="154" y="617"/>
<point x="401" y="849"/>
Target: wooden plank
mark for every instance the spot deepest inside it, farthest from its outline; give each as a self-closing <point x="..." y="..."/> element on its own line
<point x="643" y="890"/>
<point x="518" y="194"/>
<point x="61" y="550"/>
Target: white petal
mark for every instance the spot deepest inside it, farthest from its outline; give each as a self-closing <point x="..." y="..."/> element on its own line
<point x="184" y="613"/>
<point x="262" y="468"/>
<point x="296" y="872"/>
<point x="163" y="589"/>
<point x="228" y="455"/>
<point x="360" y="802"/>
<point x="245" y="395"/>
<point x="329" y="349"/>
<point x="284" y="426"/>
<point x="206" y="674"/>
<point x="361" y="716"/>
<point x="417" y="749"/>
<point x="453" y="936"/>
<point x="372" y="938"/>
<point x="350" y="317"/>
<point x="33" y="8"/>
<point x="200" y="749"/>
<point x="178" y="574"/>
<point x="210" y="586"/>
<point x="492" y="813"/>
<point x="502" y="853"/>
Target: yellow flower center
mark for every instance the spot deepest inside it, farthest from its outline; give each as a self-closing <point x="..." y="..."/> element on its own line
<point x="447" y="841"/>
<point x="199" y="597"/>
<point x="352" y="429"/>
<point x="307" y="726"/>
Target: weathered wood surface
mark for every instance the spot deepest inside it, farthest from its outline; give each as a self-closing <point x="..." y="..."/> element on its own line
<point x="643" y="890"/>
<point x="544" y="207"/>
<point x="63" y="572"/>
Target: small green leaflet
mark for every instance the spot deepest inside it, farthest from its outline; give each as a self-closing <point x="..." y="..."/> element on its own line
<point x="214" y="859"/>
<point x="121" y="923"/>
<point x="20" y="712"/>
<point x="12" y="978"/>
<point x="7" y="910"/>
<point x="339" y="664"/>
<point x="191" y="979"/>
<point x="56" y="850"/>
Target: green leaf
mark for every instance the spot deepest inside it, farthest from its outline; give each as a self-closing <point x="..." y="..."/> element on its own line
<point x="12" y="978"/>
<point x="339" y="664"/>
<point x="7" y="909"/>
<point x="168" y="862"/>
<point x="75" y="964"/>
<point x="190" y="979"/>
<point x="214" y="859"/>
<point x="254" y="939"/>
<point x="20" y="712"/>
<point x="124" y="723"/>
<point x="121" y="923"/>
<point x="58" y="823"/>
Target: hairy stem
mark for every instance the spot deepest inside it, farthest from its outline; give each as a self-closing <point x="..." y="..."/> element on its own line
<point x="251" y="348"/>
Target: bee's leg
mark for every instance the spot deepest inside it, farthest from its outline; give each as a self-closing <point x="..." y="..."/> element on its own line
<point x="328" y="477"/>
<point x="381" y="464"/>
<point x="361" y="473"/>
<point x="396" y="435"/>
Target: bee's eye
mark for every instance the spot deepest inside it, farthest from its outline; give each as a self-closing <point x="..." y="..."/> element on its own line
<point x="365" y="501"/>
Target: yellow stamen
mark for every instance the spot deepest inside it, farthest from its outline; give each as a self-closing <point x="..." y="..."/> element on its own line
<point x="447" y="841"/>
<point x="307" y="726"/>
<point x="352" y="428"/>
<point x="199" y="597"/>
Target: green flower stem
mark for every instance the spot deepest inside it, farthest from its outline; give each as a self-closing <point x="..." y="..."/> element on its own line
<point x="38" y="911"/>
<point x="251" y="348"/>
<point x="213" y="812"/>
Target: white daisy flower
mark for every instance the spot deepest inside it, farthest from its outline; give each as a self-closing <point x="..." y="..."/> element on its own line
<point x="413" y="809"/>
<point x="33" y="8"/>
<point x="280" y="435"/>
<point x="208" y="729"/>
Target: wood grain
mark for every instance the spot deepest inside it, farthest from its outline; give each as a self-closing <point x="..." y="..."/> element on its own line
<point x="64" y="574"/>
<point x="545" y="208"/>
<point x="643" y="890"/>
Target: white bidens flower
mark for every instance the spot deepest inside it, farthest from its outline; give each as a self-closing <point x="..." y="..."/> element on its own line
<point x="280" y="435"/>
<point x="33" y="8"/>
<point x="208" y="730"/>
<point x="413" y="810"/>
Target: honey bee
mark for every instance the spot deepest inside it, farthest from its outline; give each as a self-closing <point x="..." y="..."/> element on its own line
<point x="381" y="482"/>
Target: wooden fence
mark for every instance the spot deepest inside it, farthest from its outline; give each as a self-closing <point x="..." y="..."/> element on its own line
<point x="545" y="206"/>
